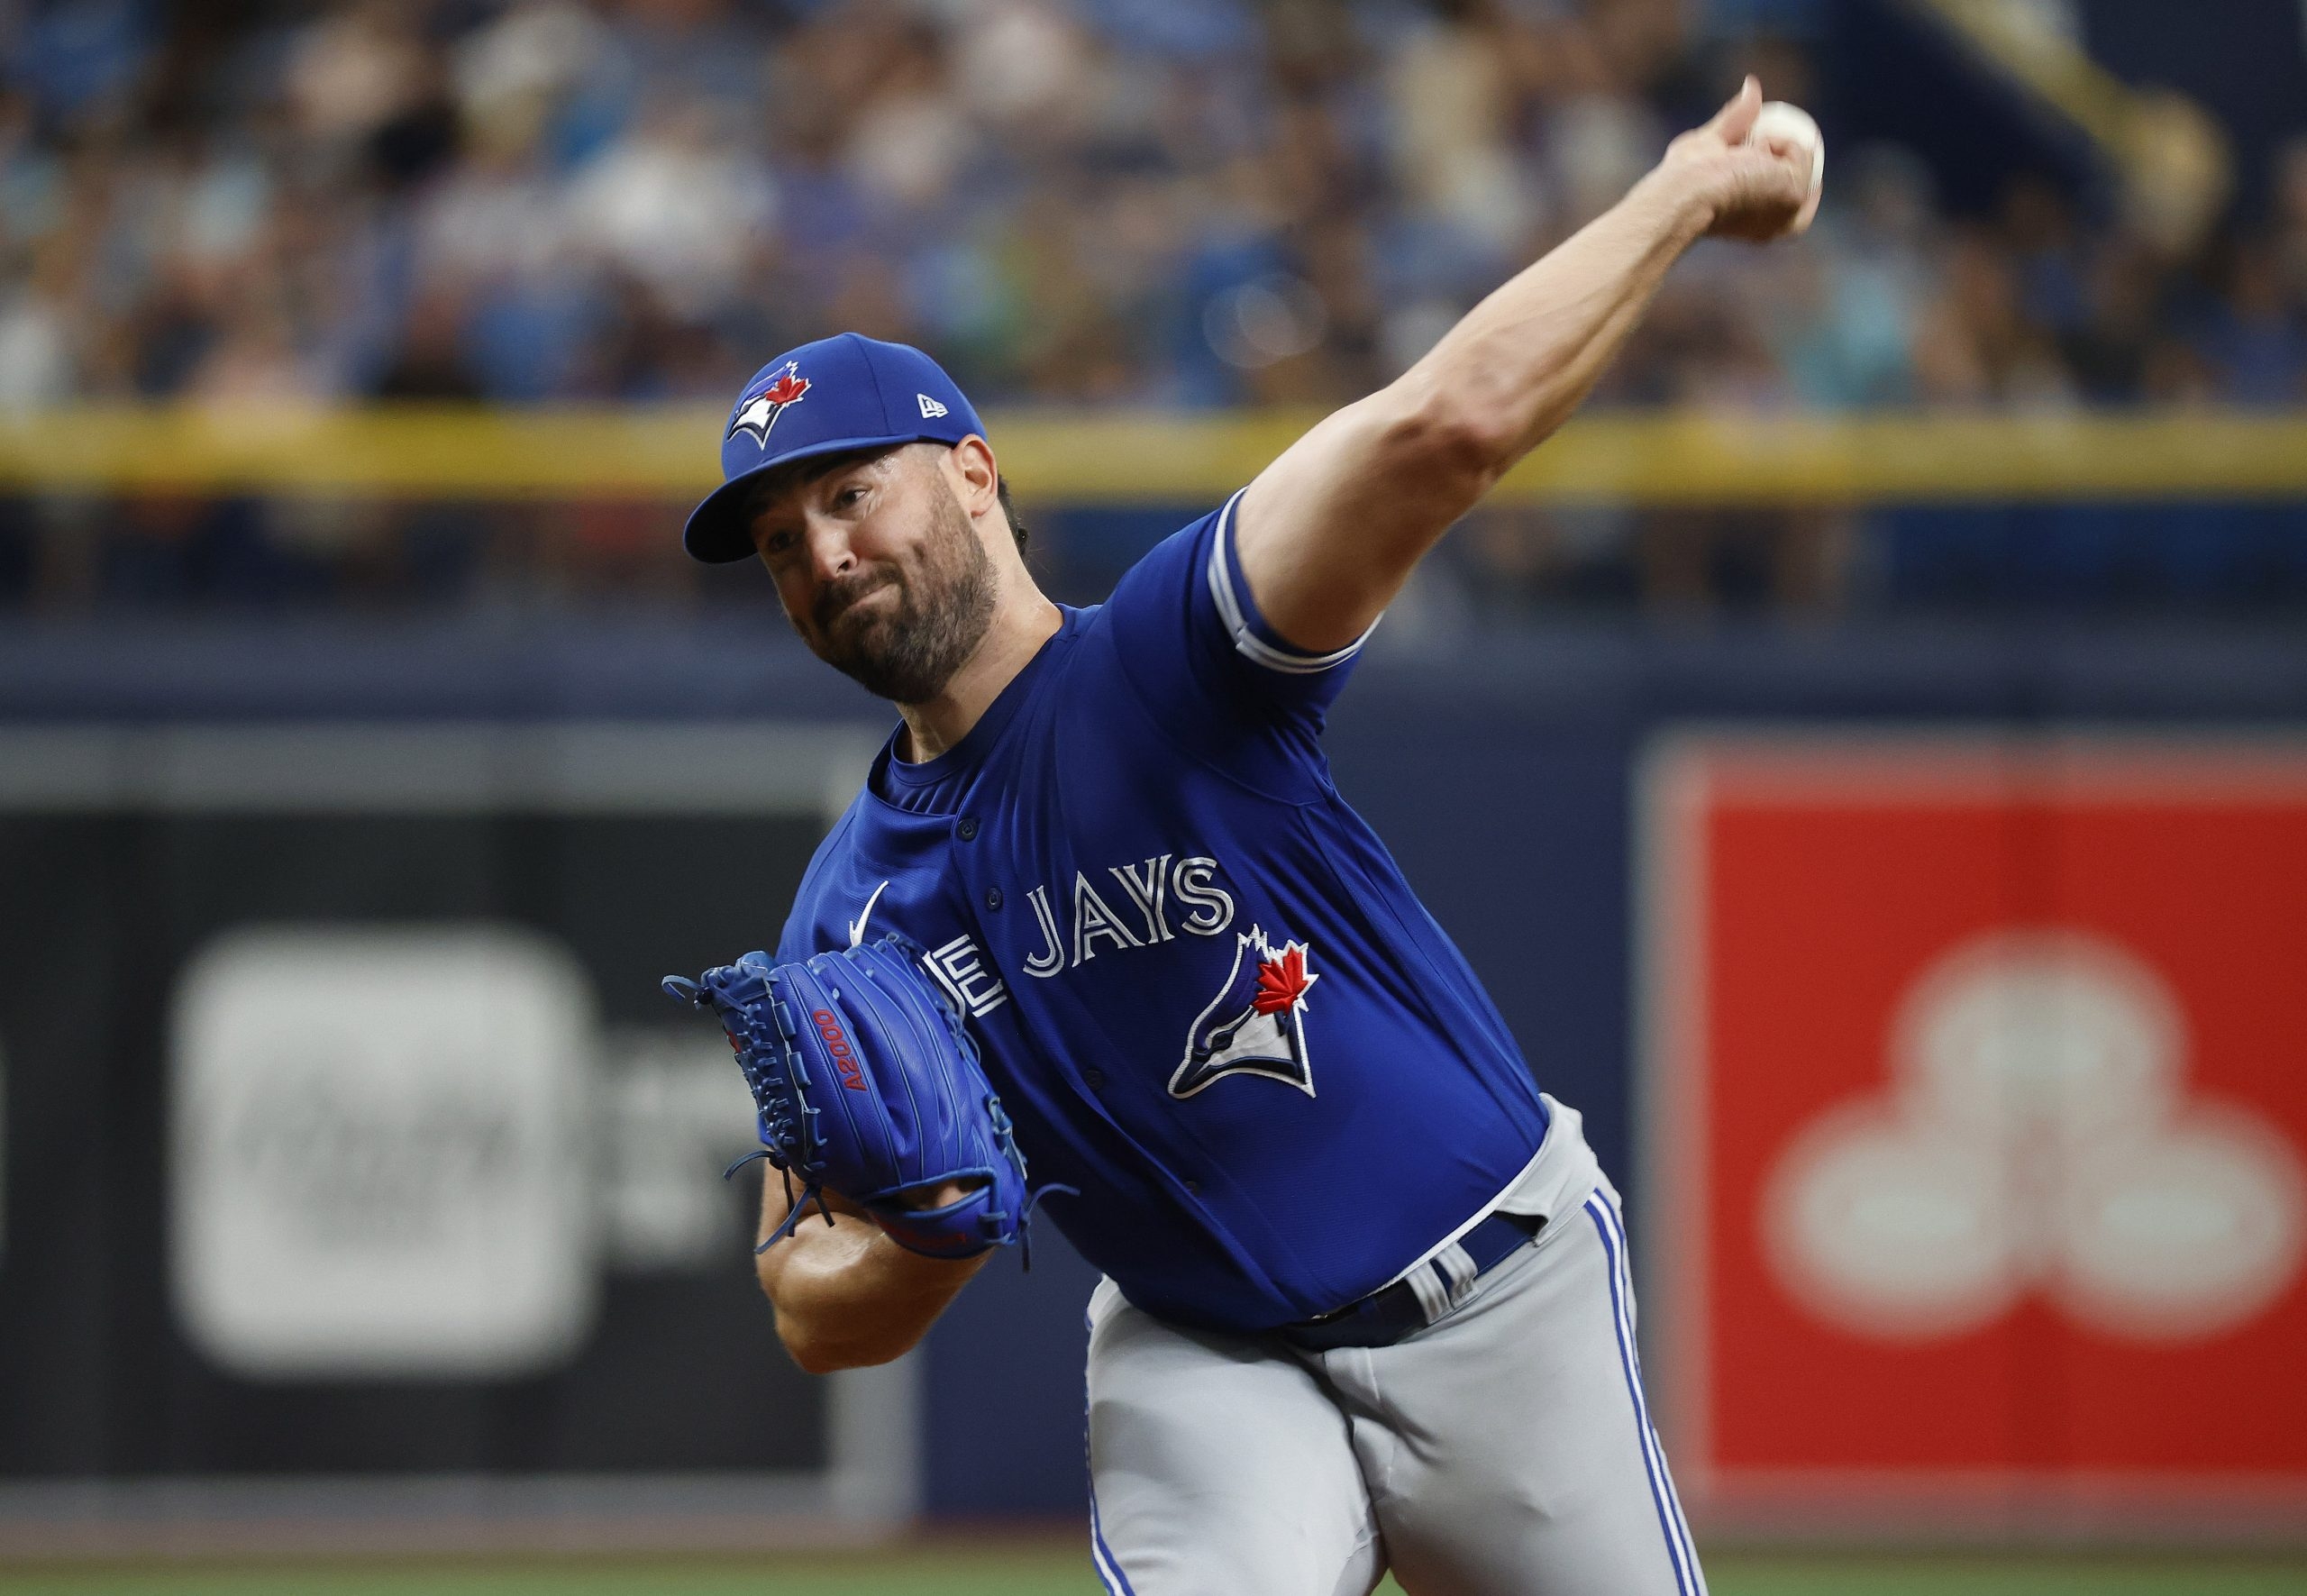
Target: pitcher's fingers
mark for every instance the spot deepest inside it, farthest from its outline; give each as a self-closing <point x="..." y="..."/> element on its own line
<point x="1798" y="161"/>
<point x="1809" y="210"/>
<point x="1732" y="123"/>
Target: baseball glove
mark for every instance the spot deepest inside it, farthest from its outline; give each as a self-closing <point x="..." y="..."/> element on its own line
<point x="867" y="1084"/>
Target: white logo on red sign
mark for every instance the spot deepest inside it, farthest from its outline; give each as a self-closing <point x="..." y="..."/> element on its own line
<point x="2036" y="1137"/>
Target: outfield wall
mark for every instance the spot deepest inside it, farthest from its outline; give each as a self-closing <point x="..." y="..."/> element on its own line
<point x="1507" y="772"/>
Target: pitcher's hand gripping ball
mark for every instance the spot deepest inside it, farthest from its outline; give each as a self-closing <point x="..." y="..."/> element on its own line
<point x="866" y="1084"/>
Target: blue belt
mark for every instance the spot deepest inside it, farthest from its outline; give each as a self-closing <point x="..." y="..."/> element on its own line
<point x="1387" y="1314"/>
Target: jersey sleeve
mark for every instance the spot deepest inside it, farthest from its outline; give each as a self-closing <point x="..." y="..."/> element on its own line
<point x="1206" y="664"/>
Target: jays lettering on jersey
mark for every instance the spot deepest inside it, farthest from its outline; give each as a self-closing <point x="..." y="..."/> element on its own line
<point x="1202" y="986"/>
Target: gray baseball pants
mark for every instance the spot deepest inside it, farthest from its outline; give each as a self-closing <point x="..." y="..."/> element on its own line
<point x="1504" y="1450"/>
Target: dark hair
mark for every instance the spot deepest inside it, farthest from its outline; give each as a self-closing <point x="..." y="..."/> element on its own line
<point x="1009" y="508"/>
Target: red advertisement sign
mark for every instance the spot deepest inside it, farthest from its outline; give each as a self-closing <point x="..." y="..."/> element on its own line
<point x="1976" y="1084"/>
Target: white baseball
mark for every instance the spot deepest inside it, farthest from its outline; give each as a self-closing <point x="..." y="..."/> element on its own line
<point x="1792" y="124"/>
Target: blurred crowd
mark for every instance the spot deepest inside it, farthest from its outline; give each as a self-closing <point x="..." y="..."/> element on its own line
<point x="1171" y="202"/>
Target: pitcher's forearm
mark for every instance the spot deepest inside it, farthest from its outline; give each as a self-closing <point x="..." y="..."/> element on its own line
<point x="1516" y="367"/>
<point x="1328" y="533"/>
<point x="847" y="1296"/>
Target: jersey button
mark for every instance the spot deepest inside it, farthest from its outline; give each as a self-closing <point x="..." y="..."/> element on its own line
<point x="967" y="829"/>
<point x="1095" y="1079"/>
<point x="993" y="897"/>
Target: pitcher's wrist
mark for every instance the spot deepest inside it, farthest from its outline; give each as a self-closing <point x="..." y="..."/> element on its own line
<point x="1685" y="194"/>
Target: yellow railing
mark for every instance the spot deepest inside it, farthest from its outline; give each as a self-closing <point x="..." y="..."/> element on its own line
<point x="1124" y="458"/>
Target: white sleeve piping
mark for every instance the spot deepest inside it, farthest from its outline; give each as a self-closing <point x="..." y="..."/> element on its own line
<point x="1248" y="642"/>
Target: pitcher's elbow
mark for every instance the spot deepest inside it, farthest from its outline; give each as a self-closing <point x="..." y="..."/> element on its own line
<point x="811" y="1352"/>
<point x="813" y="1357"/>
<point x="818" y="1347"/>
<point x="816" y="1355"/>
<point x="1455" y="437"/>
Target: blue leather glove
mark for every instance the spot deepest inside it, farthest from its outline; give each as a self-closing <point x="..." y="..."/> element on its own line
<point x="867" y="1083"/>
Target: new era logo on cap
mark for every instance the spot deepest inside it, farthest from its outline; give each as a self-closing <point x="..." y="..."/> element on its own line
<point x="929" y="406"/>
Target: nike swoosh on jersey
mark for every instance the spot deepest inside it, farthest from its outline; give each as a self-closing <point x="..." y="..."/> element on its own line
<point x="857" y="926"/>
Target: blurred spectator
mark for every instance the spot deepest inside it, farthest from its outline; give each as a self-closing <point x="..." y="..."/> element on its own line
<point x="673" y="203"/>
<point x="431" y="361"/>
<point x="1183" y="201"/>
<point x="37" y="326"/>
<point x="2255" y="343"/>
<point x="2289" y="208"/>
<point x="1215" y="202"/>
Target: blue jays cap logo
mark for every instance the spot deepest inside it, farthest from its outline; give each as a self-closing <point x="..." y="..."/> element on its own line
<point x="759" y="407"/>
<point x="1256" y="1025"/>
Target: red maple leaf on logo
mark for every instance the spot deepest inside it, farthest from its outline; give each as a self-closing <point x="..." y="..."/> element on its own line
<point x="787" y="388"/>
<point x="1281" y="983"/>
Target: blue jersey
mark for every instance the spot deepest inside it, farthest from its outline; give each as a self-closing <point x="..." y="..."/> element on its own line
<point x="1205" y="992"/>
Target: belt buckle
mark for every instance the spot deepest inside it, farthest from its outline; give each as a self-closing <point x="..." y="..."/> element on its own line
<point x="1336" y="1314"/>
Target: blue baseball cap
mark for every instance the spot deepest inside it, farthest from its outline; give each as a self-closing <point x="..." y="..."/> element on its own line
<point x="840" y="393"/>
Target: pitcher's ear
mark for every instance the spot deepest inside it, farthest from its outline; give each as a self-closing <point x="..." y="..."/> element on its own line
<point x="979" y="474"/>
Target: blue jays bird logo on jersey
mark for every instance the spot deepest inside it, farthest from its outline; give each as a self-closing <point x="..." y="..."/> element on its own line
<point x="759" y="408"/>
<point x="1256" y="1025"/>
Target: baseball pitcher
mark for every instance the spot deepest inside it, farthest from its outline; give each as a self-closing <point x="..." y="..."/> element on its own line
<point x="1100" y="944"/>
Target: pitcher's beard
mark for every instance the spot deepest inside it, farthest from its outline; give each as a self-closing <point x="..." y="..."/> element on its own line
<point x="908" y="651"/>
